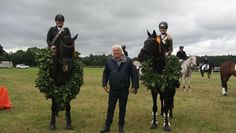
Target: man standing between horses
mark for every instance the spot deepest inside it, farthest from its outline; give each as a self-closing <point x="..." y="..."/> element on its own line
<point x="181" y="54"/>
<point x="55" y="34"/>
<point x="119" y="71"/>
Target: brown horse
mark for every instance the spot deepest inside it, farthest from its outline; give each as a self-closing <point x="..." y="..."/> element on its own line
<point x="226" y="70"/>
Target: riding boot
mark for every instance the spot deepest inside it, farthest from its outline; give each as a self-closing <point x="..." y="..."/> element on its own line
<point x="154" y="121"/>
<point x="166" y="124"/>
<point x="52" y="125"/>
<point x="68" y="122"/>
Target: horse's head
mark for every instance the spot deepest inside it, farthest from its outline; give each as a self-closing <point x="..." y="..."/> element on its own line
<point x="193" y="60"/>
<point x="66" y="51"/>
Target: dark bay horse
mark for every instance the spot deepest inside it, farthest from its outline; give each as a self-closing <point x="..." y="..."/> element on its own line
<point x="226" y="70"/>
<point x="156" y="53"/>
<point x="206" y="68"/>
<point x="62" y="70"/>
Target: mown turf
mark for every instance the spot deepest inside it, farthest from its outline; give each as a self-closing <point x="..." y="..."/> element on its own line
<point x="201" y="111"/>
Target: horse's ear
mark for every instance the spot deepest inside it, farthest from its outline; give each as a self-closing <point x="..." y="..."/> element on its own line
<point x="154" y="33"/>
<point x="148" y="33"/>
<point x="75" y="37"/>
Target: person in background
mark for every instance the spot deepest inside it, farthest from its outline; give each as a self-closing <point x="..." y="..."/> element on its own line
<point x="125" y="52"/>
<point x="181" y="54"/>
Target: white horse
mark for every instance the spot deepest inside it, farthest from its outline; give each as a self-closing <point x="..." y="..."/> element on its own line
<point x="187" y="71"/>
<point x="138" y="66"/>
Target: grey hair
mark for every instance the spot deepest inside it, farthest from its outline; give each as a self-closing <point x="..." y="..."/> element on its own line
<point x="117" y="46"/>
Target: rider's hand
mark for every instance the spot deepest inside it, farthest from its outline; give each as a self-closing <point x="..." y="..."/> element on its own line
<point x="53" y="47"/>
<point x="107" y="89"/>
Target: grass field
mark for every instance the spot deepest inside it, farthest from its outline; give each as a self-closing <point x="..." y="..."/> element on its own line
<point x="203" y="110"/>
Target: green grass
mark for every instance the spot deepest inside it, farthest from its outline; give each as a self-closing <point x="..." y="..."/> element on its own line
<point x="202" y="110"/>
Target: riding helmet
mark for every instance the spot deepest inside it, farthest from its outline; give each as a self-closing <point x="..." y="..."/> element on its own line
<point x="181" y="47"/>
<point x="163" y="24"/>
<point x="59" y="17"/>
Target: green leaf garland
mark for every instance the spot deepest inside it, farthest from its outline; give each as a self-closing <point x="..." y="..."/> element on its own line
<point x="169" y="77"/>
<point x="46" y="84"/>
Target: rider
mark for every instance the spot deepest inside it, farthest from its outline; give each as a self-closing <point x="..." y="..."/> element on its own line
<point x="181" y="54"/>
<point x="125" y="52"/>
<point x="205" y="63"/>
<point x="56" y="33"/>
<point x="165" y="39"/>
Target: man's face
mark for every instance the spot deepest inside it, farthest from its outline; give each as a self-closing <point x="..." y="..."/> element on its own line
<point x="163" y="30"/>
<point x="59" y="23"/>
<point x="117" y="53"/>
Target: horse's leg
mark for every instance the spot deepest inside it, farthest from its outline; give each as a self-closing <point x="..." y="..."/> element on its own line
<point x="183" y="82"/>
<point x="68" y="116"/>
<point x="202" y="73"/>
<point x="188" y="82"/>
<point x="172" y="101"/>
<point x="154" y="109"/>
<point x="224" y="80"/>
<point x="52" y="125"/>
<point x="167" y="107"/>
<point x="162" y="104"/>
<point x="209" y="74"/>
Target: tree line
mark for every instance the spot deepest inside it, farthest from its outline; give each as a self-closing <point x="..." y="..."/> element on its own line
<point x="28" y="57"/>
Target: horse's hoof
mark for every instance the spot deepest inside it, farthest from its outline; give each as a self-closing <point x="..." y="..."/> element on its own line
<point x="69" y="127"/>
<point x="153" y="125"/>
<point x="52" y="127"/>
<point x="224" y="94"/>
<point x="166" y="128"/>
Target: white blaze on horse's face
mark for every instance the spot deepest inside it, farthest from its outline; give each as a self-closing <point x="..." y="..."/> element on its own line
<point x="193" y="60"/>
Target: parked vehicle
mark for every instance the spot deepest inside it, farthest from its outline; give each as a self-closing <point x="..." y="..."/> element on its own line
<point x="216" y="69"/>
<point x="22" y="66"/>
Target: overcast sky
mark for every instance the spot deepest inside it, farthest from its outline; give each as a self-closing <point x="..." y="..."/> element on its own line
<point x="203" y="27"/>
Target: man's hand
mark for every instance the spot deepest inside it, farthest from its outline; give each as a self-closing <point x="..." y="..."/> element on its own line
<point x="133" y="90"/>
<point x="107" y="89"/>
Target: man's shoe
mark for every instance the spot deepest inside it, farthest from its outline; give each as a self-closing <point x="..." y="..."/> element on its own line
<point x="121" y="130"/>
<point x="105" y="130"/>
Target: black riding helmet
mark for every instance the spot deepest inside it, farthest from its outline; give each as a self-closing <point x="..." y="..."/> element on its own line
<point x="163" y="24"/>
<point x="59" y="17"/>
<point x="181" y="47"/>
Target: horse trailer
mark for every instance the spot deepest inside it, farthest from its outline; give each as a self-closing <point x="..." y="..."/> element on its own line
<point x="6" y="64"/>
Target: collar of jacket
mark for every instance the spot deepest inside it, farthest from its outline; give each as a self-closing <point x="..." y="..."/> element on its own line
<point x="123" y="59"/>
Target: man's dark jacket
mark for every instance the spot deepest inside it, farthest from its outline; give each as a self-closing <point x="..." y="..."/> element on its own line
<point x="53" y="32"/>
<point x="119" y="76"/>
